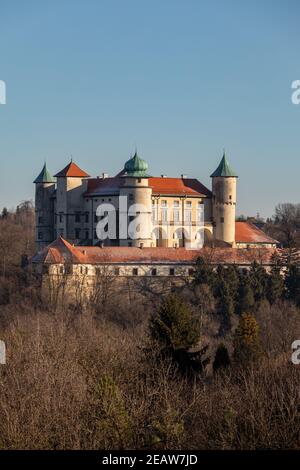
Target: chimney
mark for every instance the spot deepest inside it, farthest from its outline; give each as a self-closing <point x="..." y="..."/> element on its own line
<point x="183" y="176"/>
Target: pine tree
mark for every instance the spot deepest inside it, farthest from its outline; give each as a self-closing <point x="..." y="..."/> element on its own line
<point x="4" y="214"/>
<point x="175" y="331"/>
<point x="112" y="426"/>
<point x="292" y="283"/>
<point x="226" y="300"/>
<point x="247" y="347"/>
<point x="275" y="285"/>
<point x="203" y="273"/>
<point x="222" y="359"/>
<point x="258" y="281"/>
<point x="246" y="301"/>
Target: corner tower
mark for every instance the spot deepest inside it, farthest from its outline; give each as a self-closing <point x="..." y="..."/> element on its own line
<point x="138" y="192"/>
<point x="224" y="202"/>
<point x="71" y="184"/>
<point x="44" y="208"/>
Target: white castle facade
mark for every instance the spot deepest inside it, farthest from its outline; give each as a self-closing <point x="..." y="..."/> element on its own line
<point x="173" y="212"/>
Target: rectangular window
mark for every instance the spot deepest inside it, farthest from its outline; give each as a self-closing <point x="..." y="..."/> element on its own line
<point x="87" y="217"/>
<point x="176" y="212"/>
<point x="40" y="235"/>
<point x="68" y="269"/>
<point x="200" y="211"/>
<point x="154" y="272"/>
<point x="188" y="216"/>
<point x="60" y="217"/>
<point x="77" y="217"/>
<point x="87" y="235"/>
<point x="222" y="220"/>
<point x="117" y="271"/>
<point x="40" y="220"/>
<point x="164" y="204"/>
<point x="191" y="272"/>
<point x="154" y="211"/>
<point x="188" y="212"/>
<point x="77" y="233"/>
<point x="135" y="271"/>
<point x="172" y="271"/>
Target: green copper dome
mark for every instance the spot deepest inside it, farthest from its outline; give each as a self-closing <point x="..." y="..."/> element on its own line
<point x="224" y="169"/>
<point x="136" y="167"/>
<point x="44" y="176"/>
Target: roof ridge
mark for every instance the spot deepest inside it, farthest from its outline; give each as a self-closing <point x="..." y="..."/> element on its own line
<point x="72" y="170"/>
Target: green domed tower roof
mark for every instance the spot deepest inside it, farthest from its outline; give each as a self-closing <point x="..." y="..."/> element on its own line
<point x="136" y="167"/>
<point x="44" y="176"/>
<point x="224" y="169"/>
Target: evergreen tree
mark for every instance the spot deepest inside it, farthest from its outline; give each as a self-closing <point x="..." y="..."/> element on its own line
<point x="4" y="214"/>
<point x="226" y="290"/>
<point x="203" y="273"/>
<point x="275" y="285"/>
<point x="258" y="281"/>
<point x="222" y="359"/>
<point x="175" y="331"/>
<point x="247" y="347"/>
<point x="232" y="276"/>
<point x="292" y="283"/>
<point x="225" y="300"/>
<point x="246" y="301"/>
<point x="111" y="423"/>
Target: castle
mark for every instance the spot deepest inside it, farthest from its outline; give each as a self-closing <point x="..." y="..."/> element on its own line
<point x="66" y="206"/>
<point x="179" y="220"/>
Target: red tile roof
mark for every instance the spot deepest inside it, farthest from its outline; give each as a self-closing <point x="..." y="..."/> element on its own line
<point x="72" y="170"/>
<point x="60" y="252"/>
<point x="178" y="186"/>
<point x="162" y="186"/>
<point x="246" y="232"/>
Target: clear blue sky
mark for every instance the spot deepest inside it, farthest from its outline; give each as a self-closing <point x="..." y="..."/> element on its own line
<point x="178" y="79"/>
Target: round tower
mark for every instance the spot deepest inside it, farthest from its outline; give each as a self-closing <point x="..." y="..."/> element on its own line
<point x="138" y="193"/>
<point x="224" y="202"/>
<point x="44" y="208"/>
